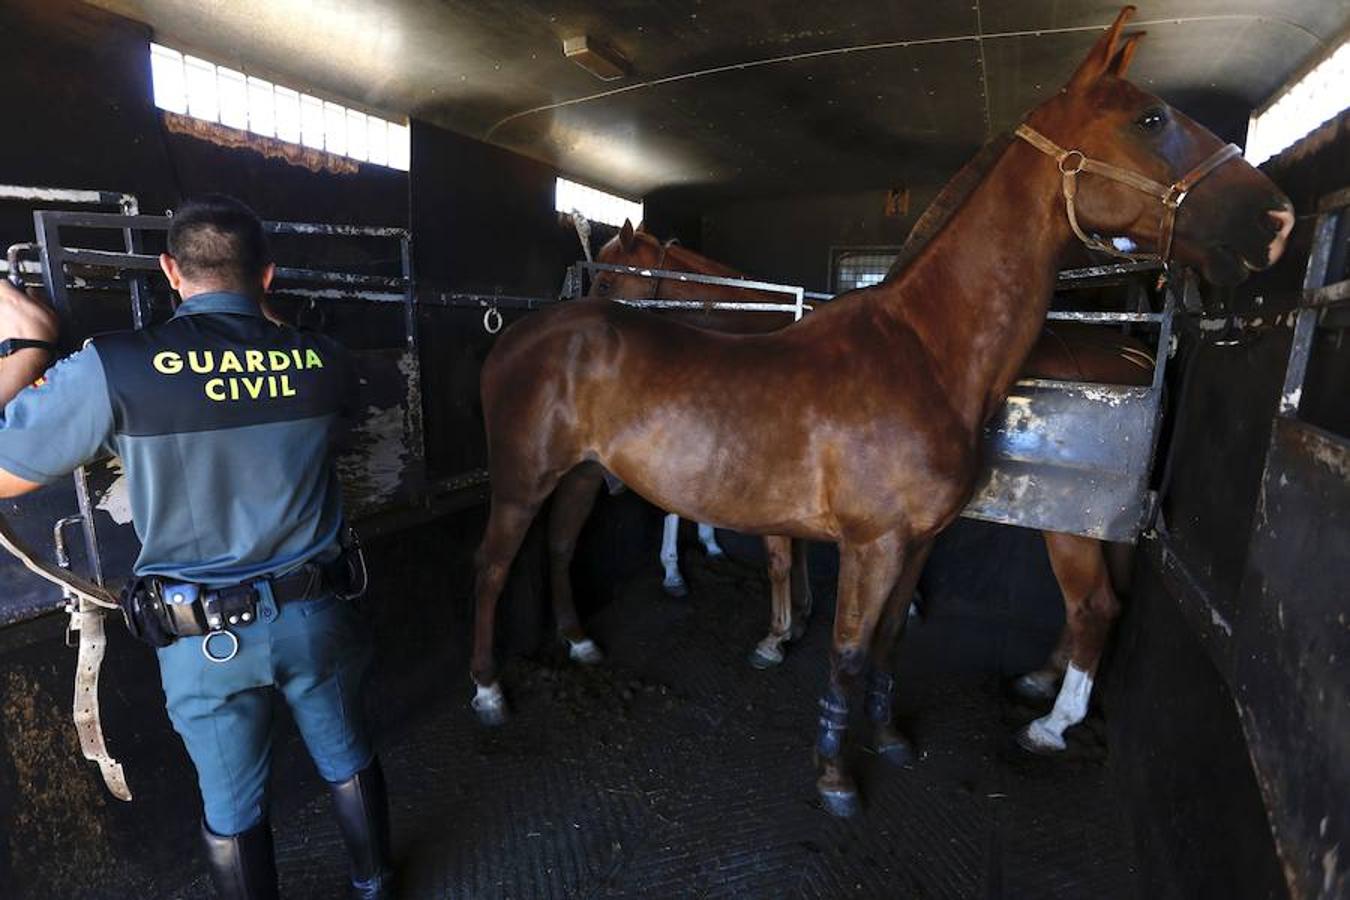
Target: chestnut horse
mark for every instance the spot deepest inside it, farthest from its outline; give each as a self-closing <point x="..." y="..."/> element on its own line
<point x="576" y="492"/>
<point x="1065" y="351"/>
<point x="891" y="385"/>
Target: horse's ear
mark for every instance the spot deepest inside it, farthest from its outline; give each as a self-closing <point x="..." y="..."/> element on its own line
<point x="1102" y="54"/>
<point x="1121" y="63"/>
<point x="642" y="226"/>
<point x="626" y="236"/>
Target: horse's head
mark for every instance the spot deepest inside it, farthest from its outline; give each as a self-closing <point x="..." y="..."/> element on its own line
<point x="1233" y="220"/>
<point x="630" y="247"/>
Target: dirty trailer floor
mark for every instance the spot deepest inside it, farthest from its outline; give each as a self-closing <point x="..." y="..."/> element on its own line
<point x="675" y="770"/>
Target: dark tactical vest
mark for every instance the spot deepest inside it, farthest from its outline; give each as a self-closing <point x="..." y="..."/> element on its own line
<point x="224" y="423"/>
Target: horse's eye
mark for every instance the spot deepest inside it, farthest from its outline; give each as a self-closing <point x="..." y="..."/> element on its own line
<point x="1151" y="120"/>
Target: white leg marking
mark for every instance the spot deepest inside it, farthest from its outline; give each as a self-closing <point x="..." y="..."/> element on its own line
<point x="584" y="651"/>
<point x="670" y="550"/>
<point x="708" y="535"/>
<point x="1070" y="709"/>
<point x="488" y="698"/>
<point x="768" y="652"/>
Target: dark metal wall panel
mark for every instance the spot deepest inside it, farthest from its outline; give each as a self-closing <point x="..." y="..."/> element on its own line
<point x="1251" y="568"/>
<point x="1179" y="757"/>
<point x="483" y="217"/>
<point x="1293" y="652"/>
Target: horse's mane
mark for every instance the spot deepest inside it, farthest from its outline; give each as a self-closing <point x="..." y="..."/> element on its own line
<point x="947" y="202"/>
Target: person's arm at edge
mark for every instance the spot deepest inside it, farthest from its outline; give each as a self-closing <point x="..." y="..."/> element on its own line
<point x="21" y="316"/>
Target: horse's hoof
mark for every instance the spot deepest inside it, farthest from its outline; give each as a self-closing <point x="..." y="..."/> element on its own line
<point x="766" y="655"/>
<point x="897" y="751"/>
<point x="1035" y="687"/>
<point x="675" y="588"/>
<point x="490" y="705"/>
<point x="840" y="802"/>
<point x="585" y="652"/>
<point x="1036" y="738"/>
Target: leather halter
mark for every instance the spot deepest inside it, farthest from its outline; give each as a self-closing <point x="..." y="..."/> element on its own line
<point x="1071" y="162"/>
<point x="660" y="265"/>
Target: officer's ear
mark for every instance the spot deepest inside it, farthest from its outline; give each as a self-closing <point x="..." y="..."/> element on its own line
<point x="169" y="266"/>
<point x="268" y="271"/>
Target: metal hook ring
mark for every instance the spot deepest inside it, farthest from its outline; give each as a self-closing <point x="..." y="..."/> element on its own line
<point x="492" y="320"/>
<point x="234" y="646"/>
<point x="1082" y="161"/>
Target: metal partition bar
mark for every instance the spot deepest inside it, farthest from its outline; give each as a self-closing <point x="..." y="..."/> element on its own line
<point x="1066" y="278"/>
<point x="797" y="308"/>
<point x="323" y="228"/>
<point x="67" y="195"/>
<point x="1318" y="298"/>
<point x="56" y="255"/>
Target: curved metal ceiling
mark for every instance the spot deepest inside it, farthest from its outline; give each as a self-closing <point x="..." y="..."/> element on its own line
<point x="758" y="96"/>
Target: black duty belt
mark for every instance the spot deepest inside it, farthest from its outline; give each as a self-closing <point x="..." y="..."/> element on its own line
<point x="159" y="611"/>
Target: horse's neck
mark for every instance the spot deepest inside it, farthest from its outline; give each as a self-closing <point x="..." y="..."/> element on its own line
<point x="978" y="293"/>
<point x="681" y="259"/>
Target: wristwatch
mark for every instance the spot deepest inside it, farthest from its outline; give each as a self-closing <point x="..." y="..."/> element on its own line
<point x="10" y="345"/>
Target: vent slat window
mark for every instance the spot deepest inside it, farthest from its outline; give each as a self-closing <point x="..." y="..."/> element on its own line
<point x="1301" y="108"/>
<point x="189" y="85"/>
<point x="596" y="205"/>
<point x="860" y="267"/>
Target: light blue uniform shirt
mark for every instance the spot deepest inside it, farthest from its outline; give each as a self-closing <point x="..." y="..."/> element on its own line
<point x="224" y="423"/>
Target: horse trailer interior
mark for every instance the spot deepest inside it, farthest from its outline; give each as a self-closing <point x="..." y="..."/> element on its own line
<point x="766" y="266"/>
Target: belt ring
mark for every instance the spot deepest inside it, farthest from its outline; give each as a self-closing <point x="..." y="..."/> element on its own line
<point x="234" y="648"/>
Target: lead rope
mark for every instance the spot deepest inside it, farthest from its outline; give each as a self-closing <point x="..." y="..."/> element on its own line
<point x="660" y="266"/>
<point x="86" y="602"/>
<point x="583" y="227"/>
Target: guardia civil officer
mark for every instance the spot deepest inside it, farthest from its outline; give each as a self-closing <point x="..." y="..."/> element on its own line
<point x="224" y="422"/>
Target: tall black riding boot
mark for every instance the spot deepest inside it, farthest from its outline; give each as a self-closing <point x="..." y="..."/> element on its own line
<point x="362" y="808"/>
<point x="242" y="865"/>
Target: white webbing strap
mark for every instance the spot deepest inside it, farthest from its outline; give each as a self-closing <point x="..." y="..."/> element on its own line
<point x="88" y="620"/>
<point x="87" y="601"/>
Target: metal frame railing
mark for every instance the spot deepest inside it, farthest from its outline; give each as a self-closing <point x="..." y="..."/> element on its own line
<point x="131" y="267"/>
<point x="797" y="308"/>
<point x="133" y="264"/>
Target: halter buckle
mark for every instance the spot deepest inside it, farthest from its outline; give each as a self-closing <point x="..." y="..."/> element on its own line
<point x="1176" y="193"/>
<point x="1082" y="161"/>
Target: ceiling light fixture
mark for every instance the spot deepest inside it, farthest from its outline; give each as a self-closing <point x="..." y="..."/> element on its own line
<point x="596" y="57"/>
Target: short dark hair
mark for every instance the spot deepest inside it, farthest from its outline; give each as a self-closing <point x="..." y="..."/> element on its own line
<point x="217" y="238"/>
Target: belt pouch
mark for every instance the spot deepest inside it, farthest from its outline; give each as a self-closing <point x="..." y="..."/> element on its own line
<point x="181" y="609"/>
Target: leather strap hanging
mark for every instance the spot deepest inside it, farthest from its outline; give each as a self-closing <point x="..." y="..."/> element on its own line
<point x="86" y="602"/>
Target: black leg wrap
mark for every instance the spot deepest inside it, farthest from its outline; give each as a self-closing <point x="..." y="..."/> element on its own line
<point x="362" y="808"/>
<point x="833" y="722"/>
<point x="877" y="701"/>
<point x="242" y="865"/>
